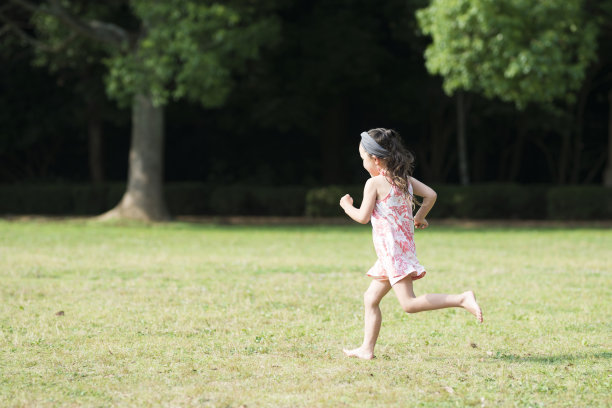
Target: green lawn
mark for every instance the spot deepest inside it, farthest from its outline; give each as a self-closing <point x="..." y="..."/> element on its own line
<point x="225" y="316"/>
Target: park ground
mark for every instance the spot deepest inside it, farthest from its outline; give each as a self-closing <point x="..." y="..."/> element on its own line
<point x="192" y="314"/>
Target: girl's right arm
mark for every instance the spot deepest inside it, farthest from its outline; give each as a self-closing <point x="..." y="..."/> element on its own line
<point x="362" y="214"/>
<point x="429" y="198"/>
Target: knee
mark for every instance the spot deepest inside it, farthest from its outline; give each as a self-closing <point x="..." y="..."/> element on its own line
<point x="409" y="307"/>
<point x="370" y="300"/>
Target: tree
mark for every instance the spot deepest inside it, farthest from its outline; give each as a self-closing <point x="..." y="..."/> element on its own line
<point x="342" y="67"/>
<point x="329" y="57"/>
<point x="77" y="63"/>
<point x="603" y="10"/>
<point x="155" y="52"/>
<point x="519" y="51"/>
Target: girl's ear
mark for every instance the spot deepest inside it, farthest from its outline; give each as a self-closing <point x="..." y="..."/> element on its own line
<point x="378" y="162"/>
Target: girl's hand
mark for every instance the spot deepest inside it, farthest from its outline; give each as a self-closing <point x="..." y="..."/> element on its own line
<point x="346" y="200"/>
<point x="420" y="223"/>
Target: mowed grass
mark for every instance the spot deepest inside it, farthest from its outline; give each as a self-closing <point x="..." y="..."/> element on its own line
<point x="224" y="316"/>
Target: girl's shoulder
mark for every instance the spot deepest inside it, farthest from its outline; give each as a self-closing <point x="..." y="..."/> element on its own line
<point x="383" y="187"/>
<point x="376" y="182"/>
<point x="380" y="180"/>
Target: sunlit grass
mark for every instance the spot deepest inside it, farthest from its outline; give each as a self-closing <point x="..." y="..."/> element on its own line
<point x="191" y="315"/>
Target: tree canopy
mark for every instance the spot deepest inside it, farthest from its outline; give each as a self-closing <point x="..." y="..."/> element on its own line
<point x="169" y="50"/>
<point x="154" y="52"/>
<point x="519" y="51"/>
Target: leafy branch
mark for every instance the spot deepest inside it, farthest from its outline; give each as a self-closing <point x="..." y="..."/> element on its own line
<point x="96" y="30"/>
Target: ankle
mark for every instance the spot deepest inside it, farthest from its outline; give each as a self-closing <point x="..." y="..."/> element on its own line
<point x="367" y="348"/>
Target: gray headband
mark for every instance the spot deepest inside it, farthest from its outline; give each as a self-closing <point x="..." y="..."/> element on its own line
<point x="372" y="147"/>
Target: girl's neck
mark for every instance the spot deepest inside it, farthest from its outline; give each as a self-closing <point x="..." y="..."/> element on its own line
<point x="387" y="176"/>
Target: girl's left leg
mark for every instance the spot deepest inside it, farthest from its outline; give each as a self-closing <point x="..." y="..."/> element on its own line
<point x="412" y="304"/>
<point x="372" y="319"/>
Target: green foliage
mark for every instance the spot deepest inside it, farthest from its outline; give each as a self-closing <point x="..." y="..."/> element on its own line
<point x="181" y="198"/>
<point x="325" y="201"/>
<point x="332" y="52"/>
<point x="59" y="199"/>
<point x="60" y="47"/>
<point x="520" y="51"/>
<point x="188" y="49"/>
<point x="490" y="201"/>
<point x="580" y="203"/>
<point x="253" y="200"/>
<point x="478" y="201"/>
<point x="177" y="48"/>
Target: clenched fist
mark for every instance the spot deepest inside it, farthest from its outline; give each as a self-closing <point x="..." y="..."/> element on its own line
<point x="346" y="200"/>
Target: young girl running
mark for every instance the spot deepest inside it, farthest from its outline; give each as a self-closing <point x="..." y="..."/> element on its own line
<point x="388" y="199"/>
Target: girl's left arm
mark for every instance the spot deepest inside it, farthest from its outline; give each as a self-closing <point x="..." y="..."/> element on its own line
<point x="362" y="214"/>
<point x="429" y="198"/>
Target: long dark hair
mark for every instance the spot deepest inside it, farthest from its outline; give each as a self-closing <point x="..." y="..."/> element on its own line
<point x="400" y="161"/>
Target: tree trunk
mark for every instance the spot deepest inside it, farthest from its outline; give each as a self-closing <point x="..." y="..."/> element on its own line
<point x="517" y="152"/>
<point x="607" y="176"/>
<point x="144" y="198"/>
<point x="550" y="158"/>
<point x="332" y="144"/>
<point x="579" y="131"/>
<point x="433" y="157"/>
<point x="94" y="135"/>
<point x="563" y="161"/>
<point x="461" y="142"/>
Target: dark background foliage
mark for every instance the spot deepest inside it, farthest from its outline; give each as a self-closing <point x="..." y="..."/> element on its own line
<point x="294" y="115"/>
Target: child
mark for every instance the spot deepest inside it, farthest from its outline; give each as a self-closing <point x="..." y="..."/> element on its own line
<point x="388" y="201"/>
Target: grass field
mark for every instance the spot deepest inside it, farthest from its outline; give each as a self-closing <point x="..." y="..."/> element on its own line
<point x="225" y="316"/>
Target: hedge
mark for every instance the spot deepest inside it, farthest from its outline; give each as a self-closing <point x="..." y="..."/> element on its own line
<point x="325" y="201"/>
<point x="580" y="203"/>
<point x="479" y="201"/>
<point x="252" y="200"/>
<point x="181" y="198"/>
<point x="490" y="201"/>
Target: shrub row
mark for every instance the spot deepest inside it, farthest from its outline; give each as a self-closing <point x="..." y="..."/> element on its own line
<point x="493" y="201"/>
<point x="181" y="198"/>
<point x="483" y="201"/>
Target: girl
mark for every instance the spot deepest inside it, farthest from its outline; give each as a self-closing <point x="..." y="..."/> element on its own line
<point x="388" y="201"/>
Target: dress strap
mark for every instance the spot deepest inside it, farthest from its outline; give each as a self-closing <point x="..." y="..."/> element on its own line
<point x="410" y="192"/>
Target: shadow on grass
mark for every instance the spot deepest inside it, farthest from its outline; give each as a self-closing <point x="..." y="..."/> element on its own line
<point x="554" y="359"/>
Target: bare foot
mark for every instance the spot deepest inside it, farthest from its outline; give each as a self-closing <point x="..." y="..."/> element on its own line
<point x="469" y="303"/>
<point x="359" y="353"/>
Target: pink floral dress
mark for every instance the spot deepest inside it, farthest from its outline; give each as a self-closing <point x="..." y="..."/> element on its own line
<point x="393" y="234"/>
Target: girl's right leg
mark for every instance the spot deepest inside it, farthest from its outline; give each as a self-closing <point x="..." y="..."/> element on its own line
<point x="412" y="304"/>
<point x="372" y="319"/>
